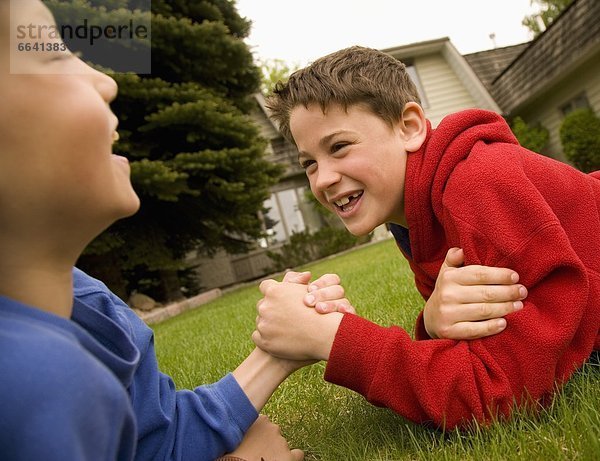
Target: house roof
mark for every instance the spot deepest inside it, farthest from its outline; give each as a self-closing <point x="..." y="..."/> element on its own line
<point x="564" y="47"/>
<point x="489" y="64"/>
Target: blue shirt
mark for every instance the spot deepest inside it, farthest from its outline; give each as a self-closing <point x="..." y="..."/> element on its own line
<point x="89" y="388"/>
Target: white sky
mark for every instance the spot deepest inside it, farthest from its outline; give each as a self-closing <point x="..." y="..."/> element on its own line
<point x="299" y="31"/>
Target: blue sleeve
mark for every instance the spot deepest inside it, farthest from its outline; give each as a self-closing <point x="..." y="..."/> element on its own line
<point x="57" y="402"/>
<point x="186" y="425"/>
<point x="199" y="424"/>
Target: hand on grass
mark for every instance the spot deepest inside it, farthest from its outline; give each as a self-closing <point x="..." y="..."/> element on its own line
<point x="325" y="294"/>
<point x="470" y="302"/>
<point x="264" y="441"/>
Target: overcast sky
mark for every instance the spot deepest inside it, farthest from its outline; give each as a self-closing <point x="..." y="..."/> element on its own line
<point x="299" y="31"/>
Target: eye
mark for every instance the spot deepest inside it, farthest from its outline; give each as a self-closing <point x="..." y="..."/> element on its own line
<point x="338" y="145"/>
<point x="54" y="50"/>
<point x="306" y="163"/>
<point x="59" y="57"/>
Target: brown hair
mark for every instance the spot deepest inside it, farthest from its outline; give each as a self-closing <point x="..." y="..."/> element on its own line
<point x="355" y="75"/>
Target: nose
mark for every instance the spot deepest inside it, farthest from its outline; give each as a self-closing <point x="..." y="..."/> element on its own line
<point x="326" y="176"/>
<point x="105" y="85"/>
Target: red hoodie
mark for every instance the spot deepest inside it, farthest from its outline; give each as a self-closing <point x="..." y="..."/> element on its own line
<point x="472" y="186"/>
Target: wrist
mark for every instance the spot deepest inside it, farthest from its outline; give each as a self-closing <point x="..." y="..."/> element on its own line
<point x="277" y="367"/>
<point x="332" y="323"/>
<point x="425" y="320"/>
<point x="259" y="375"/>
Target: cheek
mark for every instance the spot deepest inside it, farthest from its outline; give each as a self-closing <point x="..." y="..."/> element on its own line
<point x="384" y="174"/>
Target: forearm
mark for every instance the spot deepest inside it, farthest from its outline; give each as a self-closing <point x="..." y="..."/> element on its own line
<point x="420" y="380"/>
<point x="260" y="374"/>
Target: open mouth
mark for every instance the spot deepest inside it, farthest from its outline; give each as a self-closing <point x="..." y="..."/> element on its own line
<point x="347" y="203"/>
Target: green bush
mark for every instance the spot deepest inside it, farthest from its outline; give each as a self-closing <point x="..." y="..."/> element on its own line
<point x="580" y="138"/>
<point x="304" y="247"/>
<point x="533" y="138"/>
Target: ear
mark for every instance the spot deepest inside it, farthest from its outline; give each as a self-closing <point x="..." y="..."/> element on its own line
<point x="414" y="126"/>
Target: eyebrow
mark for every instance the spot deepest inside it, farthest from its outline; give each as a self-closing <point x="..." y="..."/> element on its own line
<point x="326" y="139"/>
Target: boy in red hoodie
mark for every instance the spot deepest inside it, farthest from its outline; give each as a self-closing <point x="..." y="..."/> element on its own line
<point x="372" y="157"/>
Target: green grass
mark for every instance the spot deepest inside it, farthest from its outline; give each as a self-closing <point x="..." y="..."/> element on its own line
<point x="332" y="423"/>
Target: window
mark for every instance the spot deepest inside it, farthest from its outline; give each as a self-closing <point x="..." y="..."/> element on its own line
<point x="578" y="102"/>
<point x="284" y="216"/>
<point x="290" y="210"/>
<point x="275" y="230"/>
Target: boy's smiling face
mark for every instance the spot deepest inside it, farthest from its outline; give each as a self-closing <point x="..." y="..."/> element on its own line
<point x="56" y="134"/>
<point x="356" y="162"/>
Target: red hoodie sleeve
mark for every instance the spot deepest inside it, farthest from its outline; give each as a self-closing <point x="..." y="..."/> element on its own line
<point x="449" y="383"/>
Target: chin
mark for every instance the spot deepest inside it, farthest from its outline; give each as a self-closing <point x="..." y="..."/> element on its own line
<point x="359" y="231"/>
<point x="133" y="207"/>
<point x="127" y="208"/>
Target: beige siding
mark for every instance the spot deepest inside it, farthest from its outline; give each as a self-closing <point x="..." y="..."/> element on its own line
<point x="444" y="91"/>
<point x="593" y="89"/>
<point x="551" y="119"/>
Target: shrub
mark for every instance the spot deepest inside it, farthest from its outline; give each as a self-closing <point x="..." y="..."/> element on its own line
<point x="304" y="247"/>
<point x="580" y="138"/>
<point x="533" y="138"/>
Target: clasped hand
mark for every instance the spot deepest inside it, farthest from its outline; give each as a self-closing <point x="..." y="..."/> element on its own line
<point x="287" y="328"/>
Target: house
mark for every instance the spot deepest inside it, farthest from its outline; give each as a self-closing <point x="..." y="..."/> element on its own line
<point x="550" y="76"/>
<point x="540" y="81"/>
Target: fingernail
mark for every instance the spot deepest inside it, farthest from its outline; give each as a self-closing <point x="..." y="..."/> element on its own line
<point x="309" y="299"/>
<point x="514" y="277"/>
<point x="517" y="305"/>
<point x="313" y="288"/>
<point x="501" y="323"/>
<point x="322" y="307"/>
<point x="522" y="292"/>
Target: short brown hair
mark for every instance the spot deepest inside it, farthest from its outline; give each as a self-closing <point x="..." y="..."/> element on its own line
<point x="355" y="75"/>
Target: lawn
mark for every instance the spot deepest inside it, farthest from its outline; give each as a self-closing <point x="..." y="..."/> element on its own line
<point x="332" y="423"/>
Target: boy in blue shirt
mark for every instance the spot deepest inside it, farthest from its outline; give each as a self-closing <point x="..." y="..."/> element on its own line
<point x="79" y="378"/>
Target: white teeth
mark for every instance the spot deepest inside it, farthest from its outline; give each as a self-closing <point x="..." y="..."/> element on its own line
<point x="344" y="200"/>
